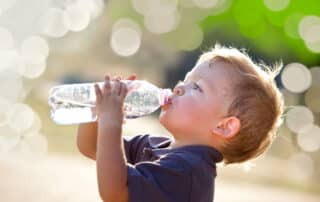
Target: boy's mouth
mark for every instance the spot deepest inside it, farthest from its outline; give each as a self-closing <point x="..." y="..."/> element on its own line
<point x="166" y="103"/>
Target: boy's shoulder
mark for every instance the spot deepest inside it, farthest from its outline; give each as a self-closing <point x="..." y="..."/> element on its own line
<point x="157" y="172"/>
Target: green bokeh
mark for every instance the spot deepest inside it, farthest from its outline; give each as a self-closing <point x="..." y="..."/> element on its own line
<point x="273" y="34"/>
<point x="244" y="24"/>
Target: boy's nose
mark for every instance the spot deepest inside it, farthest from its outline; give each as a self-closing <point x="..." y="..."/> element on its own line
<point x="179" y="90"/>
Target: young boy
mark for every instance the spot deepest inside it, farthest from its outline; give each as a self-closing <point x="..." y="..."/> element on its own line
<point x="226" y="109"/>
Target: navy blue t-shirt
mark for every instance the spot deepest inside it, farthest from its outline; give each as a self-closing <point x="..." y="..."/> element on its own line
<point x="157" y="173"/>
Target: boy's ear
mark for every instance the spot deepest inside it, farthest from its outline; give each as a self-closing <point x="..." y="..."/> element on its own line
<point x="227" y="128"/>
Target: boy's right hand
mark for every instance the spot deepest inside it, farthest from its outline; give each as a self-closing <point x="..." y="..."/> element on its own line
<point x="94" y="109"/>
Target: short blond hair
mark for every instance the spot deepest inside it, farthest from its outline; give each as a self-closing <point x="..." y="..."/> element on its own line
<point x="256" y="102"/>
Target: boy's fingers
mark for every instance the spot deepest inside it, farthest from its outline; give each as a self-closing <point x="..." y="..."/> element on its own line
<point x="116" y="87"/>
<point x="107" y="85"/>
<point x="116" y="78"/>
<point x="124" y="90"/>
<point x="98" y="92"/>
<point x="107" y="77"/>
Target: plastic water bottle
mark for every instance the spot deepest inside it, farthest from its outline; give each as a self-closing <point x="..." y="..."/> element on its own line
<point x="75" y="103"/>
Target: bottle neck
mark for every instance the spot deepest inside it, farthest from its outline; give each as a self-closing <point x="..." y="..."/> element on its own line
<point x="164" y="95"/>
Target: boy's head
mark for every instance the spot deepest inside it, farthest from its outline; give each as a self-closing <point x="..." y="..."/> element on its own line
<point x="228" y="102"/>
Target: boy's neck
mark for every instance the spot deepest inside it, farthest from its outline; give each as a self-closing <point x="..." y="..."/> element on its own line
<point x="178" y="143"/>
<point x="175" y="144"/>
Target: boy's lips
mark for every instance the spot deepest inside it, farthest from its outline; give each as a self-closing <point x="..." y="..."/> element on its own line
<point x="166" y="104"/>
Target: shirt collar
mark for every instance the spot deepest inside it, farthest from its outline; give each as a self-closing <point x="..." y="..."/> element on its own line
<point x="210" y="154"/>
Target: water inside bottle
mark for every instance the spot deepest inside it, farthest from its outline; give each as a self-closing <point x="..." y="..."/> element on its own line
<point x="68" y="112"/>
<point x="76" y="103"/>
<point x="65" y="110"/>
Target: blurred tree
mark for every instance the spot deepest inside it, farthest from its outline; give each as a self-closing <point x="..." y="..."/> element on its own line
<point x="273" y="34"/>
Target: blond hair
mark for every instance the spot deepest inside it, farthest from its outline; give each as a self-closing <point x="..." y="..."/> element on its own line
<point x="257" y="103"/>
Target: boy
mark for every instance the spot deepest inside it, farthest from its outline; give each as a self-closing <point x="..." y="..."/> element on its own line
<point x="226" y="109"/>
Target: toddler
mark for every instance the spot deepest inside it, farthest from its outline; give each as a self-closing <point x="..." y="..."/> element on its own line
<point x="227" y="109"/>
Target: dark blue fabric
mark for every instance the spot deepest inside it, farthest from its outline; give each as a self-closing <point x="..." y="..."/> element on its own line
<point x="157" y="173"/>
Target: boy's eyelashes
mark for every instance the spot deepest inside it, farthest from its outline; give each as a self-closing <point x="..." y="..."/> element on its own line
<point x="194" y="85"/>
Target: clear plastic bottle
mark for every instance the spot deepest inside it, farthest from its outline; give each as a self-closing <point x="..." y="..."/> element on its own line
<point x="75" y="103"/>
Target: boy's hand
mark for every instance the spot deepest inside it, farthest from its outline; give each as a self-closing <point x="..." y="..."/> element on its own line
<point x="94" y="109"/>
<point x="109" y="101"/>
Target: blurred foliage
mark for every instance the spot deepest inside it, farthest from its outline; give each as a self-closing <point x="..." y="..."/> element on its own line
<point x="244" y="24"/>
<point x="250" y="23"/>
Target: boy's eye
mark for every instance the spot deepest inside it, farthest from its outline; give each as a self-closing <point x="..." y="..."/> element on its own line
<point x="196" y="86"/>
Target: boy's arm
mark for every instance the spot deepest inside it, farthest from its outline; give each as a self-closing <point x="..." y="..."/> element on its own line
<point x="87" y="139"/>
<point x="110" y="160"/>
<point x="111" y="164"/>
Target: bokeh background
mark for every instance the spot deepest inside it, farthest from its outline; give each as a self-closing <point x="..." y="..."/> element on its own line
<point x="44" y="43"/>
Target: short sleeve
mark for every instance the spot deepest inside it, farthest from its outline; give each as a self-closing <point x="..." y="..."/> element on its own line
<point x="165" y="180"/>
<point x="133" y="145"/>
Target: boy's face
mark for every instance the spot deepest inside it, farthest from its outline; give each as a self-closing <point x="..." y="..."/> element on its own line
<point x="199" y="102"/>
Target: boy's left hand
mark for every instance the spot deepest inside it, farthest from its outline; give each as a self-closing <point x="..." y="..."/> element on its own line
<point x="109" y="102"/>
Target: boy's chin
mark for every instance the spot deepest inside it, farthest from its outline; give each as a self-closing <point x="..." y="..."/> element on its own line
<point x="162" y="118"/>
<point x="166" y="122"/>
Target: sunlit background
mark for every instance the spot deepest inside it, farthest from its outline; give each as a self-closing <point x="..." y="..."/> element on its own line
<point x="44" y="43"/>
